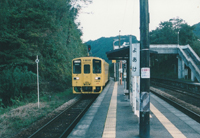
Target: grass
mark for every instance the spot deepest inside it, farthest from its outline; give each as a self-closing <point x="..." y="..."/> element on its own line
<point x="13" y="119"/>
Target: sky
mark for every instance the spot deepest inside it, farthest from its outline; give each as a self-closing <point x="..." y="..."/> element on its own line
<point x="106" y="18"/>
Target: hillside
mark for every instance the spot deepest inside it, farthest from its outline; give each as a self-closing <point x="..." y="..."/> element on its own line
<point x="103" y="45"/>
<point x="197" y="30"/>
<point x="30" y="28"/>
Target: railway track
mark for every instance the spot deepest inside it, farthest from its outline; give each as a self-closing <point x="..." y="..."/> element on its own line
<point x="61" y="125"/>
<point x="184" y="100"/>
<point x="177" y="90"/>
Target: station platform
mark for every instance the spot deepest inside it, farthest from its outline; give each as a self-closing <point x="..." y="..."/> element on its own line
<point x="111" y="116"/>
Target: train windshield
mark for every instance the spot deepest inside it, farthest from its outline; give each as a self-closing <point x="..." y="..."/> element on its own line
<point x="77" y="66"/>
<point x="96" y="66"/>
<point x="86" y="69"/>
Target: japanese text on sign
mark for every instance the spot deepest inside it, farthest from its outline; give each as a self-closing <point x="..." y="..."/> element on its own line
<point x="135" y="59"/>
<point x="145" y="72"/>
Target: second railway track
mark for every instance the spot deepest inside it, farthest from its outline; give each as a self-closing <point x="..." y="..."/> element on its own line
<point x="179" y="98"/>
<point x="62" y="124"/>
<point x="177" y="89"/>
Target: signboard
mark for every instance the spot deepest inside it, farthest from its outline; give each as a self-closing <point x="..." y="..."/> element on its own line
<point x="145" y="73"/>
<point x="124" y="74"/>
<point x="135" y="59"/>
<point x="113" y="61"/>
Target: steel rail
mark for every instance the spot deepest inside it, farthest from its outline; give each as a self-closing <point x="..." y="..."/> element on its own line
<point x="178" y="89"/>
<point x="40" y="129"/>
<point x="59" y="115"/>
<point x="76" y="120"/>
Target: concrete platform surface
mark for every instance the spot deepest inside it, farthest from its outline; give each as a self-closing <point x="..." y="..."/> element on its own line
<point x="111" y="116"/>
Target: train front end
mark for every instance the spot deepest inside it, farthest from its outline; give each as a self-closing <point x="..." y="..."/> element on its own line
<point x="87" y="75"/>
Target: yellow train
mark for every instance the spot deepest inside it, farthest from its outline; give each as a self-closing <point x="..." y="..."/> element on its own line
<point x="89" y="75"/>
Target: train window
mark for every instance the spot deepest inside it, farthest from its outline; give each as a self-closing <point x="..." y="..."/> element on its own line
<point x="96" y="66"/>
<point x="77" y="66"/>
<point x="86" y="69"/>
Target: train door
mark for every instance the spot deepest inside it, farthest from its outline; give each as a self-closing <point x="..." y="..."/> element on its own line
<point x="97" y="75"/>
<point x="87" y="82"/>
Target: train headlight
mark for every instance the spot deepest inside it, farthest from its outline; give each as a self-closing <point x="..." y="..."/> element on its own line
<point x="76" y="78"/>
<point x="97" y="78"/>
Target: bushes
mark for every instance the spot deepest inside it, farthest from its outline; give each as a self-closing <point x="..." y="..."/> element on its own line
<point x="15" y="84"/>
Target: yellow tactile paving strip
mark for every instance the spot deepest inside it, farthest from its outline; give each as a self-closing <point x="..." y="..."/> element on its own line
<point x="166" y="123"/>
<point x="110" y="124"/>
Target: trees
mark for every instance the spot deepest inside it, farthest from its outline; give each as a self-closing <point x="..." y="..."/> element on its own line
<point x="197" y="30"/>
<point x="174" y="31"/>
<point x="164" y="34"/>
<point x="170" y="31"/>
<point x="39" y="27"/>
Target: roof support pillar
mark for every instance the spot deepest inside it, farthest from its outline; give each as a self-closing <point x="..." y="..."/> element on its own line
<point x="181" y="68"/>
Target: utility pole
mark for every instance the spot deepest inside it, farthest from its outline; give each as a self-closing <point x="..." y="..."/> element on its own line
<point x="37" y="61"/>
<point x="120" y="66"/>
<point x="115" y="61"/>
<point x="145" y="70"/>
<point x="178" y="38"/>
<point x="119" y="38"/>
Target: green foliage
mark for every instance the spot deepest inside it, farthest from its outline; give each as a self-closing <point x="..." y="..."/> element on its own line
<point x="15" y="84"/>
<point x="38" y="27"/>
<point x="186" y="35"/>
<point x="197" y="30"/>
<point x="173" y="31"/>
<point x="164" y="34"/>
<point x="196" y="43"/>
<point x="196" y="47"/>
<point x="15" y="119"/>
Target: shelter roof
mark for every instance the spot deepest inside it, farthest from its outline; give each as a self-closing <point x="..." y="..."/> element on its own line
<point x="122" y="53"/>
<point x="118" y="54"/>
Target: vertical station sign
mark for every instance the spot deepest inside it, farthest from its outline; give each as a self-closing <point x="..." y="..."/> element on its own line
<point x="134" y="74"/>
<point x="135" y="59"/>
